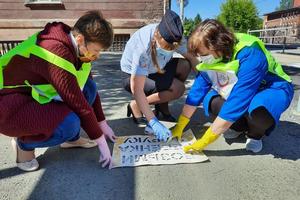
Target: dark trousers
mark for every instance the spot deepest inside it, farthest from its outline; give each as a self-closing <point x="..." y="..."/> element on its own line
<point x="255" y="125"/>
<point x="155" y="82"/>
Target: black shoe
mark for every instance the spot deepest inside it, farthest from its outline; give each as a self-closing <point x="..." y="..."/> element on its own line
<point x="137" y="120"/>
<point x="163" y="116"/>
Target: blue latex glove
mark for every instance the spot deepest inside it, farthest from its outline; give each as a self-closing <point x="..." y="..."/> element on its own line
<point x="160" y="131"/>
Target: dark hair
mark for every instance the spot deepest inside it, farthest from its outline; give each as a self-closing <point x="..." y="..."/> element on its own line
<point x="214" y="36"/>
<point x="95" y="28"/>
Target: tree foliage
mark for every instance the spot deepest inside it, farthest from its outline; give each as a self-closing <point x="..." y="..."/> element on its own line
<point x="190" y="24"/>
<point x="285" y="4"/>
<point x="240" y="15"/>
<point x="197" y="20"/>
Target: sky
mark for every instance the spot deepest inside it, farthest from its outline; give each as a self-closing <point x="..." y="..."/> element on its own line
<point x="211" y="8"/>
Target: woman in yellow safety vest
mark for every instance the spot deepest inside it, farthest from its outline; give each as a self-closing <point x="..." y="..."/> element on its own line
<point x="47" y="92"/>
<point x="239" y="83"/>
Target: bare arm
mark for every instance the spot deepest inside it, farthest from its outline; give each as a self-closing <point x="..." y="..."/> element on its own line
<point x="137" y="87"/>
<point x="188" y="110"/>
<point x="220" y="125"/>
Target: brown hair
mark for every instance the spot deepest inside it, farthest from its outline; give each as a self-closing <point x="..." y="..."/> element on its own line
<point x="214" y="36"/>
<point x="95" y="28"/>
<point x="164" y="44"/>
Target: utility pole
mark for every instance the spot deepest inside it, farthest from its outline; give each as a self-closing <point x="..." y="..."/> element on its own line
<point x="182" y="10"/>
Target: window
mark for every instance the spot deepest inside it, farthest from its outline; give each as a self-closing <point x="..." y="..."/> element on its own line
<point x="43" y="1"/>
<point x="119" y="42"/>
<point x="45" y="4"/>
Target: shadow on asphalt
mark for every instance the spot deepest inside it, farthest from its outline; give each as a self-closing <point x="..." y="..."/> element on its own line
<point x="282" y="143"/>
<point x="76" y="173"/>
<point x="10" y="172"/>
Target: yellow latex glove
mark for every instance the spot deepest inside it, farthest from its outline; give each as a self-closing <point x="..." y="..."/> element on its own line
<point x="178" y="129"/>
<point x="201" y="143"/>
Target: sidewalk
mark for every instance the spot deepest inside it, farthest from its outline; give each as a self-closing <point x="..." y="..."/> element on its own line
<point x="291" y="57"/>
<point x="231" y="174"/>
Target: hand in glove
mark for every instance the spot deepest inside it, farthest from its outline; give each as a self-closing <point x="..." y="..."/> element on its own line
<point x="178" y="129"/>
<point x="160" y="131"/>
<point x="107" y="131"/>
<point x="105" y="156"/>
<point x="201" y="143"/>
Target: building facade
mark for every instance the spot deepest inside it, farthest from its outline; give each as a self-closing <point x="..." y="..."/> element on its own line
<point x="289" y="18"/>
<point x="21" y="18"/>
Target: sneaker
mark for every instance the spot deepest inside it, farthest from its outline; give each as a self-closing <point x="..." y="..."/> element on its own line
<point x="231" y="134"/>
<point x="254" y="145"/>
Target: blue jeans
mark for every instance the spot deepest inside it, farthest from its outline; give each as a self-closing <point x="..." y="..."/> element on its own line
<point x="69" y="128"/>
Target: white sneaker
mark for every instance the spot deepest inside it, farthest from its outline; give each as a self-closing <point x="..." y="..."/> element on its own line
<point x="148" y="130"/>
<point x="254" y="145"/>
<point x="231" y="134"/>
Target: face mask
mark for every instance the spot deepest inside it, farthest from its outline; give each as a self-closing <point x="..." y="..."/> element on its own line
<point x="210" y="59"/>
<point x="87" y="56"/>
<point x="162" y="52"/>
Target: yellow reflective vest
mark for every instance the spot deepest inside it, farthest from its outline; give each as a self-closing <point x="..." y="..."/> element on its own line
<point x="43" y="93"/>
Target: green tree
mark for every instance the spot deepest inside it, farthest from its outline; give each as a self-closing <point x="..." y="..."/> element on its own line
<point x="197" y="20"/>
<point x="285" y="4"/>
<point x="190" y="24"/>
<point x="240" y="15"/>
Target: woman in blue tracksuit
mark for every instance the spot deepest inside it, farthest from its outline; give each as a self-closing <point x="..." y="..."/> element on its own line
<point x="239" y="83"/>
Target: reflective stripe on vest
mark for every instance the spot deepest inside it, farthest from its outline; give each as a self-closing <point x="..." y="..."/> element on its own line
<point x="243" y="41"/>
<point x="42" y="93"/>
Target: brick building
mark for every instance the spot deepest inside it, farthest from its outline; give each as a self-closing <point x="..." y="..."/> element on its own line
<point x="21" y="18"/>
<point x="285" y="18"/>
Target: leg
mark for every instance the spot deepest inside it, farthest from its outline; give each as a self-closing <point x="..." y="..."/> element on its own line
<point x="183" y="69"/>
<point x="68" y="130"/>
<point x="260" y="121"/>
<point x="149" y="88"/>
<point x="174" y="92"/>
<point x="90" y="93"/>
<point x="159" y="88"/>
<point x="216" y="104"/>
<point x="264" y="114"/>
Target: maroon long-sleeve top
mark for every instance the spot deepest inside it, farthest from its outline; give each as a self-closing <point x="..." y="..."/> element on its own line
<point x="21" y="116"/>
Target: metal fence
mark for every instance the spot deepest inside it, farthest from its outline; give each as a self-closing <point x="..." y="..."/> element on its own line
<point x="118" y="45"/>
<point x="281" y="36"/>
<point x="5" y="46"/>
